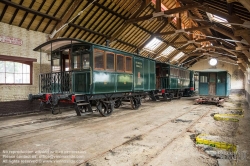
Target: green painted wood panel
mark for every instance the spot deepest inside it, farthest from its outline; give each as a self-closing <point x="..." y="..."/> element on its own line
<point x="104" y="82"/>
<point x="138" y="74"/>
<point x="81" y="82"/>
<point x="152" y="76"/>
<point x="124" y="82"/>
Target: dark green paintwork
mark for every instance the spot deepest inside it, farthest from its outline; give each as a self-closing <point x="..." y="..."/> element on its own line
<point x="81" y="82"/>
<point x="222" y="83"/>
<point x="146" y="79"/>
<point x="124" y="82"/>
<point x="152" y="78"/>
<point x="138" y="74"/>
<point x="104" y="82"/>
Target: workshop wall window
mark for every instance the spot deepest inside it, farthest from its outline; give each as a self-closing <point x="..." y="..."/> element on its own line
<point x="14" y="73"/>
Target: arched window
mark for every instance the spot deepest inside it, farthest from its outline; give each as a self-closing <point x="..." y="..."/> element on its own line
<point x="15" y="70"/>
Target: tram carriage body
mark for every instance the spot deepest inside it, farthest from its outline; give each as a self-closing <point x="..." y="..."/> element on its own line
<point x="214" y="82"/>
<point x="85" y="74"/>
<point x="174" y="81"/>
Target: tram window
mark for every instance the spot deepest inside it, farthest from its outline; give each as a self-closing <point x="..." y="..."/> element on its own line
<point x="120" y="62"/>
<point x="66" y="65"/>
<point x="85" y="61"/>
<point x="110" y="61"/>
<point x="99" y="59"/>
<point x="203" y="79"/>
<point x="221" y="79"/>
<point x="128" y="64"/>
<point x="76" y="60"/>
<point x="56" y="65"/>
<point x="171" y="71"/>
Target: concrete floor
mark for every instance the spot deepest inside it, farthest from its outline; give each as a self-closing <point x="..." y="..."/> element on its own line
<point x="158" y="133"/>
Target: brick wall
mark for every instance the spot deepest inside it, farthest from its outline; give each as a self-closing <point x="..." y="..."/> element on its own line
<point x="31" y="39"/>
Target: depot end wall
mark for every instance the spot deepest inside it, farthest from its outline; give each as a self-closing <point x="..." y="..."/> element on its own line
<point x="237" y="76"/>
<point x="247" y="85"/>
<point x="15" y="96"/>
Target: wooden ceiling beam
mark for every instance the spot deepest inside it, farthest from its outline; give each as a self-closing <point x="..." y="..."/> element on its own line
<point x="170" y="11"/>
<point x="242" y="32"/>
<point x="242" y="67"/>
<point x="100" y="34"/>
<point x="182" y="59"/>
<point x="26" y="13"/>
<point x="245" y="3"/>
<point x="229" y="18"/>
<point x="34" y="16"/>
<point x="15" y="5"/>
<point x="136" y="14"/>
<point x="187" y="30"/>
<point x="228" y="44"/>
<point x="230" y="8"/>
<point x="158" y="6"/>
<point x="242" y="48"/>
<point x="242" y="62"/>
<point x="185" y="42"/>
<point x="15" y="13"/>
<point x="3" y="12"/>
<point x="37" y="27"/>
<point x="88" y="30"/>
<point x="222" y="31"/>
<point x="66" y="16"/>
<point x="108" y="10"/>
<point x="55" y="13"/>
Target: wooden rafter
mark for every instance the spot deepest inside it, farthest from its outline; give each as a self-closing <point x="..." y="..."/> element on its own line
<point x="33" y="18"/>
<point x="39" y="24"/>
<point x="229" y="18"/>
<point x="170" y="11"/>
<point x="15" y="13"/>
<point x="3" y="12"/>
<point x="57" y="10"/>
<point x="222" y="31"/>
<point x="15" y="5"/>
<point x="187" y="30"/>
<point x="67" y="15"/>
<point x="26" y="13"/>
<point x="124" y="26"/>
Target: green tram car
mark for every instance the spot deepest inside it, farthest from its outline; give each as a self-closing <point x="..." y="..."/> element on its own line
<point x="86" y="75"/>
<point x="214" y="82"/>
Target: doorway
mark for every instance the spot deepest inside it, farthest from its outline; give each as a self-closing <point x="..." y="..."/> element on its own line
<point x="212" y="84"/>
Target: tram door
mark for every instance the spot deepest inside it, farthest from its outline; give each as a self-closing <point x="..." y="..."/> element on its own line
<point x="212" y="84"/>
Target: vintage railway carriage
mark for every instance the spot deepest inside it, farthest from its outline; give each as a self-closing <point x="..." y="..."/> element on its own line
<point x="172" y="82"/>
<point x="214" y="82"/>
<point x="88" y="74"/>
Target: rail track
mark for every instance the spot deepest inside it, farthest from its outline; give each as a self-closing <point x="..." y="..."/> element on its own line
<point x="140" y="136"/>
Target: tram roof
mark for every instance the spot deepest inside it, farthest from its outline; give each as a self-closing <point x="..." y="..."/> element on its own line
<point x="52" y="45"/>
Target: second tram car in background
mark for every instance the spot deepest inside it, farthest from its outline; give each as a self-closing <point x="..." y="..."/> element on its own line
<point x="87" y="74"/>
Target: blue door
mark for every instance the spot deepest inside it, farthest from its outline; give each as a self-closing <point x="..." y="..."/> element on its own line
<point x="203" y="84"/>
<point x="221" y="84"/>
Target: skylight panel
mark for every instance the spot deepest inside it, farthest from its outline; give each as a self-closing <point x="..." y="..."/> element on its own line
<point x="215" y="18"/>
<point x="178" y="56"/>
<point x="168" y="51"/>
<point x="153" y="44"/>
